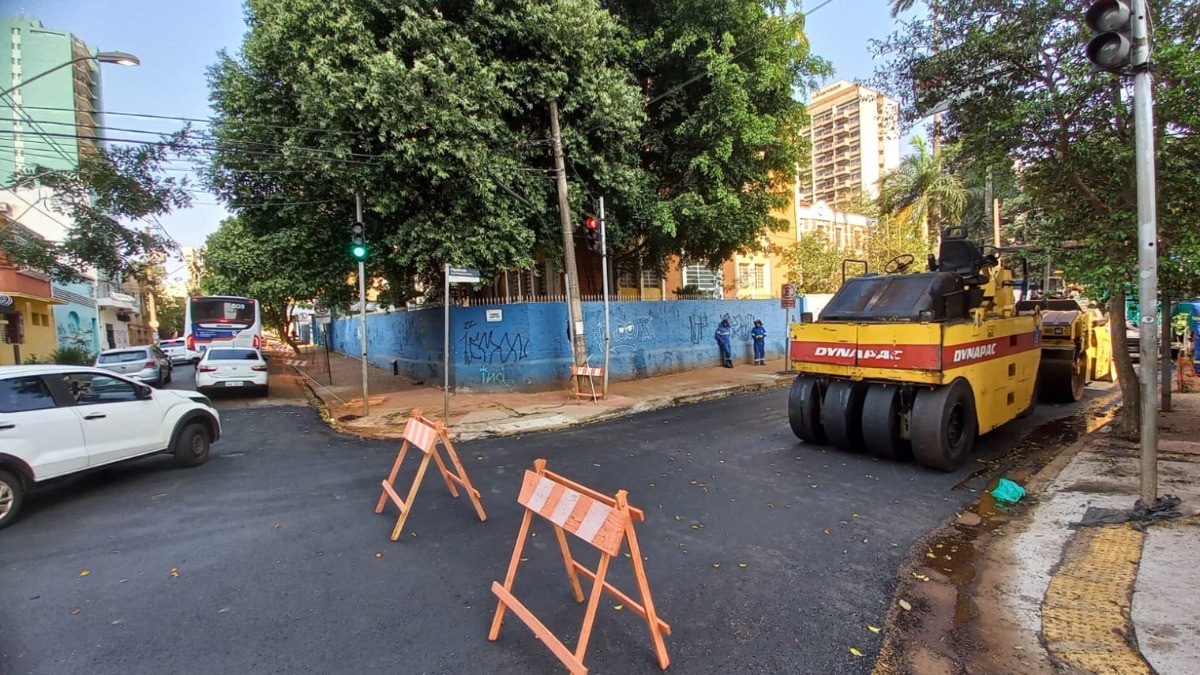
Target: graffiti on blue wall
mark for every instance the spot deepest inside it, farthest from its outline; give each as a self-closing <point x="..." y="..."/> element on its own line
<point x="646" y="339"/>
<point x="493" y="347"/>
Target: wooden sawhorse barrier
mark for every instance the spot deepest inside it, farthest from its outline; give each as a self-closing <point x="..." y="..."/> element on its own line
<point x="590" y="373"/>
<point x="425" y="435"/>
<point x="602" y="521"/>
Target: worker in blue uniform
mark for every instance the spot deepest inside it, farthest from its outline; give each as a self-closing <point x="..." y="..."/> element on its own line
<point x="723" y="334"/>
<point x="759" y="334"/>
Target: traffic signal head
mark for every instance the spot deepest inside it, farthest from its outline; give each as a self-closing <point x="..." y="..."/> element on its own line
<point x="593" y="241"/>
<point x="592" y="223"/>
<point x="1111" y="48"/>
<point x="358" y="241"/>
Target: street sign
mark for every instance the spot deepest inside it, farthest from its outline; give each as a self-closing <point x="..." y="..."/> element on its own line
<point x="494" y="315"/>
<point x="462" y="275"/>
<point x="787" y="297"/>
<point x="321" y="312"/>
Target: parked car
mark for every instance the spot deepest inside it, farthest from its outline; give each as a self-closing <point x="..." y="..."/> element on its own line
<point x="232" y="368"/>
<point x="145" y="364"/>
<point x="178" y="351"/>
<point x="61" y="420"/>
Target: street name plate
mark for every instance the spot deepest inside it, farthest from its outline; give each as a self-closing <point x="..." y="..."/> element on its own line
<point x="463" y="275"/>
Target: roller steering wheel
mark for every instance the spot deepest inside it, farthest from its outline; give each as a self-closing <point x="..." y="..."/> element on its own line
<point x="899" y="264"/>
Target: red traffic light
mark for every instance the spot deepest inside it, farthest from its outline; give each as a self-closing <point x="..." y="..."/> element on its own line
<point x="591" y="223"/>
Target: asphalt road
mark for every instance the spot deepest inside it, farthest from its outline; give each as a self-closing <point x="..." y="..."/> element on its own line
<point x="269" y="558"/>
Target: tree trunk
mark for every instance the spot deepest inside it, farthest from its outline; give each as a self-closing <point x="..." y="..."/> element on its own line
<point x="1131" y="409"/>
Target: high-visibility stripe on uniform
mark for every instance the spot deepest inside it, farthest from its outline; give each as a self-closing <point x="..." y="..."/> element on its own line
<point x="421" y="435"/>
<point x="598" y="524"/>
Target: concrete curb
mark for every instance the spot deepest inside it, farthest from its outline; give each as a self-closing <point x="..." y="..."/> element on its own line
<point x="506" y="429"/>
<point x="896" y="652"/>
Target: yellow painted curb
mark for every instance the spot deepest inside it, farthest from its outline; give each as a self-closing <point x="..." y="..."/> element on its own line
<point x="1085" y="613"/>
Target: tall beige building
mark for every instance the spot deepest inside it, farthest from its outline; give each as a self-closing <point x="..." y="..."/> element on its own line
<point x="855" y="136"/>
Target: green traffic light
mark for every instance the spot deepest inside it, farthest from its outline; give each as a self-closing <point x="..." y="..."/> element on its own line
<point x="359" y="252"/>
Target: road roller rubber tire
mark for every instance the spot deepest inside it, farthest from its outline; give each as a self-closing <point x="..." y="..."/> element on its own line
<point x="880" y="421"/>
<point x="804" y="410"/>
<point x="843" y="413"/>
<point x="944" y="426"/>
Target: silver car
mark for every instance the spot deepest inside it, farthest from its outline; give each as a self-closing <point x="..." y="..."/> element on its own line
<point x="147" y="364"/>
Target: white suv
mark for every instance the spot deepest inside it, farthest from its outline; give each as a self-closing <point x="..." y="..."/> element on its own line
<point x="60" y="420"/>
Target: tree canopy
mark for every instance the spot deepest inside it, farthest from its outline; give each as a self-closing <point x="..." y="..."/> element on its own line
<point x="109" y="201"/>
<point x="680" y="112"/>
<point x="277" y="269"/>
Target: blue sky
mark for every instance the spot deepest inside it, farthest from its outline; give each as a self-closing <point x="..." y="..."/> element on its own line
<point x="177" y="40"/>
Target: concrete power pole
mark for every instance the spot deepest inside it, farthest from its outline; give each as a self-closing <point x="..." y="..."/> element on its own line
<point x="574" y="305"/>
<point x="1143" y="123"/>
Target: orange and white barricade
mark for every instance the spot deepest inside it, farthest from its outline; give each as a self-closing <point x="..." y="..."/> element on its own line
<point x="602" y="521"/>
<point x="425" y="435"/>
<point x="590" y="372"/>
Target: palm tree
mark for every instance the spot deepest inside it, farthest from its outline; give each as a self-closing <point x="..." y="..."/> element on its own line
<point x="899" y="6"/>
<point x="923" y="187"/>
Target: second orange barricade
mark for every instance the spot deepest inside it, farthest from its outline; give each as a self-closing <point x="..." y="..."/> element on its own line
<point x="425" y="436"/>
<point x="602" y="521"/>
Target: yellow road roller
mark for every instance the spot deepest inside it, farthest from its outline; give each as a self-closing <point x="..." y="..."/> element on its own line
<point x="918" y="363"/>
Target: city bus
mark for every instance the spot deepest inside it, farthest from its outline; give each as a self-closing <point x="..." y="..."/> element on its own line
<point x="222" y="320"/>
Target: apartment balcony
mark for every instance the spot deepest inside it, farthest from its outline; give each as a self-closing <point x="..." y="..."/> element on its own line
<point x="22" y="281"/>
<point x="110" y="298"/>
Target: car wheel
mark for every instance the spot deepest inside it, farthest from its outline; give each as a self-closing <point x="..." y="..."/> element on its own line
<point x="12" y="496"/>
<point x="191" y="447"/>
<point x="266" y="391"/>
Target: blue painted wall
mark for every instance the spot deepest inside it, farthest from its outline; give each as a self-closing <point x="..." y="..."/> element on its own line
<point x="75" y="321"/>
<point x="527" y="348"/>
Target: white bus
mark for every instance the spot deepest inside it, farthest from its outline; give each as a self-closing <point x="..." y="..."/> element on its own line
<point x="222" y="320"/>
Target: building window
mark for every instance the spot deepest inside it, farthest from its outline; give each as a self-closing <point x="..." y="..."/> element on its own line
<point x="706" y="280"/>
<point x="744" y="278"/>
<point x="626" y="278"/>
<point x="760" y="276"/>
<point x="650" y="278"/>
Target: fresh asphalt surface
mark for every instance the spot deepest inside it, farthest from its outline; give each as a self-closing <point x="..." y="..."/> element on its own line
<point x="283" y="566"/>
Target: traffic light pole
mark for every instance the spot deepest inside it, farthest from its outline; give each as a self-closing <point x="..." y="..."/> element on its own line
<point x="362" y="313"/>
<point x="1143" y="122"/>
<point x="574" y="305"/>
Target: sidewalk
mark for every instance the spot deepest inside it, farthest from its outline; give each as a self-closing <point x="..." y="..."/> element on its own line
<point x="1056" y="589"/>
<point x="482" y="415"/>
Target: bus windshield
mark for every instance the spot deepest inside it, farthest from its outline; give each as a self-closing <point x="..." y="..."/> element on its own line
<point x="223" y="313"/>
<point x="222" y="320"/>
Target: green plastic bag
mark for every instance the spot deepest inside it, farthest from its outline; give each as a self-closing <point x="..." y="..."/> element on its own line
<point x="1008" y="491"/>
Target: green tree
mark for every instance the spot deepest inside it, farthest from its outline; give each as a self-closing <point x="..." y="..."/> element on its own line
<point x="440" y="115"/>
<point x="924" y="188"/>
<point x="107" y="201"/>
<point x="1022" y="91"/>
<point x="170" y="316"/>
<point x="680" y="112"/>
<point x="278" y="269"/>
<point x="722" y="134"/>
<point x="815" y="264"/>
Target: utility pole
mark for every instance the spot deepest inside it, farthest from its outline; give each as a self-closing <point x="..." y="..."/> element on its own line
<point x="604" y="271"/>
<point x="362" y="309"/>
<point x="156" y="261"/>
<point x="1143" y="123"/>
<point x="574" y="306"/>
